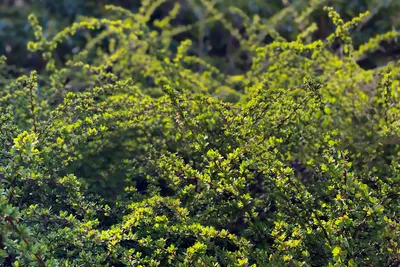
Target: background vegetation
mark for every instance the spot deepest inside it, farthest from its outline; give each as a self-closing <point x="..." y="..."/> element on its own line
<point x="288" y="17"/>
<point x="200" y="133"/>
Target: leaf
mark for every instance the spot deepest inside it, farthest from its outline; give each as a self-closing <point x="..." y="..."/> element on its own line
<point x="336" y="251"/>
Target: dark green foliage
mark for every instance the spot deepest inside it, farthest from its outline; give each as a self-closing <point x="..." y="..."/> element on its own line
<point x="140" y="149"/>
<point x="286" y="17"/>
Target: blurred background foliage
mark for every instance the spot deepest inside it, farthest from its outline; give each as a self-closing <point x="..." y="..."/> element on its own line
<point x="215" y="42"/>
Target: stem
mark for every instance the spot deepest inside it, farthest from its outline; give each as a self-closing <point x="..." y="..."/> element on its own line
<point x="32" y="103"/>
<point x="38" y="257"/>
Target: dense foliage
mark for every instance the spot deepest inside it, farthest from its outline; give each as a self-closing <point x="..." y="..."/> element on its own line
<point x="286" y="17"/>
<point x="143" y="148"/>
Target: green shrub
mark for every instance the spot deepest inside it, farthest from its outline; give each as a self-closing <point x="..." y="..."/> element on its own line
<point x="137" y="153"/>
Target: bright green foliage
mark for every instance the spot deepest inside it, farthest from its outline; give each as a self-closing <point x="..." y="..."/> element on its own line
<point x="134" y="153"/>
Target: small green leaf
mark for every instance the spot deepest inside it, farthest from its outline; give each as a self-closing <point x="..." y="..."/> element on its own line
<point x="336" y="251"/>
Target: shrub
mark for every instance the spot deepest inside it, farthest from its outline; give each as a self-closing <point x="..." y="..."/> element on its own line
<point x="133" y="153"/>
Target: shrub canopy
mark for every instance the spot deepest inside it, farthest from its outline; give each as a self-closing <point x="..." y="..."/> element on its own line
<point x="140" y="148"/>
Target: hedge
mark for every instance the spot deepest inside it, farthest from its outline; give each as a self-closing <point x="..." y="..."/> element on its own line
<point x="134" y="152"/>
